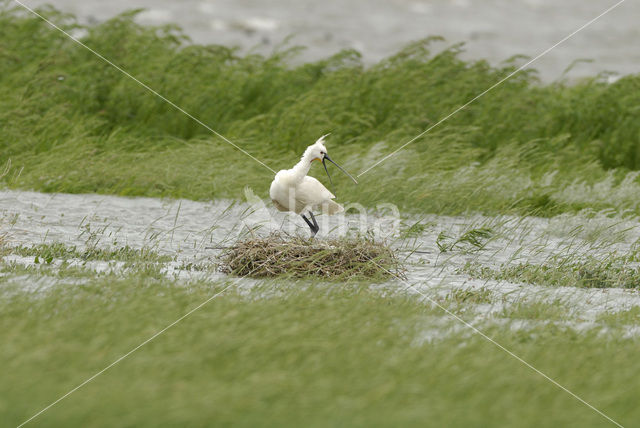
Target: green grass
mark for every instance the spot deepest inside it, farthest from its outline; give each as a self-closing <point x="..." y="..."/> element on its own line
<point x="466" y="296"/>
<point x="313" y="355"/>
<point x="46" y="270"/>
<point x="46" y="253"/>
<point x="471" y="240"/>
<point x="72" y="123"/>
<point x="562" y="272"/>
<point x="538" y="310"/>
<point x="628" y="317"/>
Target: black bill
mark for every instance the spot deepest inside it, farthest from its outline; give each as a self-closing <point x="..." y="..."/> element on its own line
<point x="326" y="157"/>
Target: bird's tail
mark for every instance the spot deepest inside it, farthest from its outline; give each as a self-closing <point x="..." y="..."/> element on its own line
<point x="331" y="208"/>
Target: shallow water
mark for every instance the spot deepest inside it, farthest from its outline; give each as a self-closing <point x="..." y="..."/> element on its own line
<point x="185" y="229"/>
<point x="493" y="29"/>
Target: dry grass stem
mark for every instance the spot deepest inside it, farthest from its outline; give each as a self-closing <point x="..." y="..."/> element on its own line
<point x="280" y="255"/>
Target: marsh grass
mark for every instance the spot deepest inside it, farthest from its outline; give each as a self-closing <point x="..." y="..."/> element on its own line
<point x="285" y="354"/>
<point x="627" y="317"/>
<point x="470" y="296"/>
<point x="274" y="352"/>
<point x="537" y="310"/>
<point x="46" y="253"/>
<point x="317" y="355"/>
<point x="71" y="123"/>
<point x="593" y="273"/>
<point x="471" y="240"/>
<point x="280" y="255"/>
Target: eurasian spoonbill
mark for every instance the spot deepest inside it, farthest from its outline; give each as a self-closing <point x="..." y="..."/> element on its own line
<point x="293" y="190"/>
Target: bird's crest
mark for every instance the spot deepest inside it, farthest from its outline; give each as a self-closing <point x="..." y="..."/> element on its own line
<point x="321" y="139"/>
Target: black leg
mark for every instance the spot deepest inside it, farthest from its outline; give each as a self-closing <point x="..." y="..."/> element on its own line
<point x="313" y="226"/>
<point x="315" y="223"/>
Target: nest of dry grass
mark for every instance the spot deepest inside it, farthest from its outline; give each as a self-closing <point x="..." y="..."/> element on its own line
<point x="278" y="255"/>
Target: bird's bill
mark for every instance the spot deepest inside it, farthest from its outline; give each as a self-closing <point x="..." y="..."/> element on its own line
<point x="326" y="157"/>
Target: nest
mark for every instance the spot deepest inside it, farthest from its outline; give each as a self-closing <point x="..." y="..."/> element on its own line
<point x="277" y="255"/>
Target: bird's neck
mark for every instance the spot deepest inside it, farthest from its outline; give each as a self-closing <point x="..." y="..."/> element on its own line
<point x="301" y="169"/>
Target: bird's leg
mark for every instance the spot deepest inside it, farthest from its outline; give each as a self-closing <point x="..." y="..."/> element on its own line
<point x="315" y="223"/>
<point x="306" y="220"/>
<point x="313" y="226"/>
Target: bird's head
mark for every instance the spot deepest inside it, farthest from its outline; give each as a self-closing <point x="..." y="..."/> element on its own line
<point x="318" y="151"/>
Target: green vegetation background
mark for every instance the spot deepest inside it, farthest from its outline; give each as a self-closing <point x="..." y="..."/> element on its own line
<point x="310" y="354"/>
<point x="72" y="123"/>
<point x="296" y="356"/>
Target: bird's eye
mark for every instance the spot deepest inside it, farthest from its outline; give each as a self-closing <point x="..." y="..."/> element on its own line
<point x="322" y="153"/>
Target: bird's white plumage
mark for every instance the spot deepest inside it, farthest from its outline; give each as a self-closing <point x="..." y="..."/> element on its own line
<point x="293" y="190"/>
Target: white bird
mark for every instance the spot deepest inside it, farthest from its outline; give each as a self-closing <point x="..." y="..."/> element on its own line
<point x="293" y="190"/>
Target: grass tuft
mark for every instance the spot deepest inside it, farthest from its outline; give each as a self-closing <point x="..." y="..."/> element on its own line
<point x="279" y="255"/>
<point x="48" y="252"/>
<point x="474" y="239"/>
<point x="592" y="273"/>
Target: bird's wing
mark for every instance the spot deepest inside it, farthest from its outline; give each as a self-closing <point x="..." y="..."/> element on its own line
<point x="311" y="192"/>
